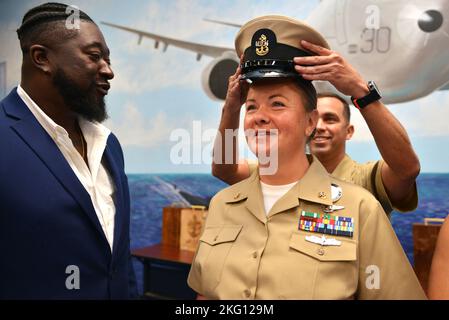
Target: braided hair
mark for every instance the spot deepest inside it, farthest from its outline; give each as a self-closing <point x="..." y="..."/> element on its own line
<point x="45" y="24"/>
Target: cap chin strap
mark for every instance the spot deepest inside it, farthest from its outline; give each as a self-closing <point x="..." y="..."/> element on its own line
<point x="268" y="68"/>
<point x="284" y="65"/>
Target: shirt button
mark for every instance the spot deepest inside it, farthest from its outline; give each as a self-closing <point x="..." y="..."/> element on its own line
<point x="247" y="293"/>
<point x="320" y="251"/>
<point x="255" y="254"/>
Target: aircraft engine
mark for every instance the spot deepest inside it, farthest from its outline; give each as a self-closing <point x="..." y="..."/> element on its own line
<point x="216" y="75"/>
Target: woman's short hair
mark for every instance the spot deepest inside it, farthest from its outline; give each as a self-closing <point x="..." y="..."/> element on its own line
<point x="309" y="97"/>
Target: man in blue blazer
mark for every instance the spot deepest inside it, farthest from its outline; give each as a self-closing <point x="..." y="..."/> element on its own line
<point x="64" y="197"/>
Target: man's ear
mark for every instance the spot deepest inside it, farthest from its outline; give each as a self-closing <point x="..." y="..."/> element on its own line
<point x="349" y="132"/>
<point x="39" y="58"/>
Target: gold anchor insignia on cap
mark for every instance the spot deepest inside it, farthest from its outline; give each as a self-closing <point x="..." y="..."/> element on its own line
<point x="336" y="192"/>
<point x="262" y="45"/>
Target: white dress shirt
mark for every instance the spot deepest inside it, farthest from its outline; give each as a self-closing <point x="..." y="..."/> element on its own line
<point x="97" y="181"/>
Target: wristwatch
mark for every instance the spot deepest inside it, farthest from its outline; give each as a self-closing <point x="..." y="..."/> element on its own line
<point x="373" y="95"/>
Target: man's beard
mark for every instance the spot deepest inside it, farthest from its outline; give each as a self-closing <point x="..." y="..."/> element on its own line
<point x="86" y="103"/>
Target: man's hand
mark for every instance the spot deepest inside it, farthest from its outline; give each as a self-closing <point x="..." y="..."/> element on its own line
<point x="328" y="65"/>
<point x="237" y="90"/>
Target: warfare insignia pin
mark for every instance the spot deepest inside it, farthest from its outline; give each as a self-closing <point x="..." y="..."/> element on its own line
<point x="332" y="208"/>
<point x="326" y="224"/>
<point x="336" y="192"/>
<point x="323" y="240"/>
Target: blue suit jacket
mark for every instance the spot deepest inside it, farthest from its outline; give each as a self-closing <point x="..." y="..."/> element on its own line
<point x="47" y="220"/>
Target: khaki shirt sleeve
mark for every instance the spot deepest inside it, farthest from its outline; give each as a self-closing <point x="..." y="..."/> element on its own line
<point x="385" y="272"/>
<point x="370" y="175"/>
<point x="194" y="280"/>
<point x="409" y="204"/>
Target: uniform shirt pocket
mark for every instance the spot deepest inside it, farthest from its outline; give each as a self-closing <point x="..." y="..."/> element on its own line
<point x="332" y="270"/>
<point x="214" y="247"/>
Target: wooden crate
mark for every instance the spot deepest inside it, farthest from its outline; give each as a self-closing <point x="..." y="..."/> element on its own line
<point x="425" y="236"/>
<point x="181" y="227"/>
<point x="192" y="222"/>
<point x="171" y="225"/>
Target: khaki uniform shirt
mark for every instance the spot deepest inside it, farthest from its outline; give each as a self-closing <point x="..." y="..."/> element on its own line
<point x="367" y="175"/>
<point x="245" y="254"/>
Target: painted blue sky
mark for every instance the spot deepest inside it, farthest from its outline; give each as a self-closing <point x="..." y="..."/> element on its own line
<point x="155" y="93"/>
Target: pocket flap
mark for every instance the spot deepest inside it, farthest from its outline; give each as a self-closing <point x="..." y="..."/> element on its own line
<point x="221" y="234"/>
<point x="347" y="251"/>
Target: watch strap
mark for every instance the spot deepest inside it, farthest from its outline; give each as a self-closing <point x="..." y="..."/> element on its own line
<point x="372" y="96"/>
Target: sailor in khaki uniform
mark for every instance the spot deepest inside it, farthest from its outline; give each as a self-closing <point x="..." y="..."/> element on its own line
<point x="297" y="233"/>
<point x="244" y="254"/>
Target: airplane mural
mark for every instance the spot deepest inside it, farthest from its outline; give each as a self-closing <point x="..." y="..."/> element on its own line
<point x="402" y="45"/>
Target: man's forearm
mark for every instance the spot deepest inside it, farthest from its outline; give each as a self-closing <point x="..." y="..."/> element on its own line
<point x="392" y="141"/>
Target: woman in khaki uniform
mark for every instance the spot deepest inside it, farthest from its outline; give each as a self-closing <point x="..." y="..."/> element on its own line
<point x="295" y="232"/>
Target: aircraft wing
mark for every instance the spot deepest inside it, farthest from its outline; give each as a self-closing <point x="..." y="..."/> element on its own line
<point x="199" y="49"/>
<point x="445" y="87"/>
<point x="225" y="23"/>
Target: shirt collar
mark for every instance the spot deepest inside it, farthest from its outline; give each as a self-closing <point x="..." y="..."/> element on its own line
<point x="52" y="128"/>
<point x="344" y="168"/>
<point x="91" y="130"/>
<point x="315" y="186"/>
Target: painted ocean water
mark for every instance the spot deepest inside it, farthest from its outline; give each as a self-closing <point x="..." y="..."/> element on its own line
<point x="151" y="192"/>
